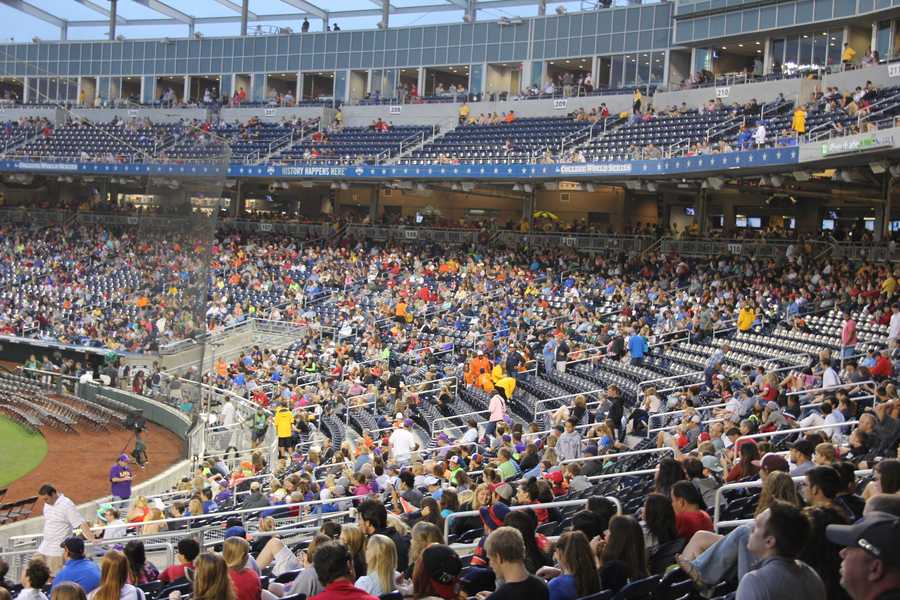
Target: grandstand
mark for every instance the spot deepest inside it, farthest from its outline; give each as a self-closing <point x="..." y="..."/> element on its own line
<point x="617" y="276"/>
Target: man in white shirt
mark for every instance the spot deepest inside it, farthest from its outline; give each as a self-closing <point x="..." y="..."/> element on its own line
<point x="894" y="330"/>
<point x="829" y="375"/>
<point x="61" y="517"/>
<point x="402" y="442"/>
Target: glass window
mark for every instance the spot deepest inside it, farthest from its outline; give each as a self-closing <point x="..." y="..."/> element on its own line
<point x="733" y="23"/>
<point x="684" y="31"/>
<point x="777" y="51"/>
<point x="883" y="38"/>
<point x="844" y="8"/>
<point x="835" y="44"/>
<point x="823" y="9"/>
<point x="661" y="38"/>
<point x="804" y="11"/>
<point x="645" y="40"/>
<point x="602" y="44"/>
<point x="643" y="67"/>
<point x="604" y="22"/>
<point x="751" y="20"/>
<point x="785" y="14"/>
<point x="631" y="40"/>
<point x="767" y="16"/>
<point x="552" y="25"/>
<point x="805" y="57"/>
<point x="656" y="67"/>
<point x="791" y="50"/>
<point x="618" y="21"/>
<point x="615" y="78"/>
<point x="617" y="42"/>
<point x="663" y="14"/>
<point x="820" y="49"/>
<point x="633" y="19"/>
<point x="701" y="28"/>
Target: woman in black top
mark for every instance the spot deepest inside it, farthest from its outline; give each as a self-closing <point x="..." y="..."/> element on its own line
<point x="526" y="522"/>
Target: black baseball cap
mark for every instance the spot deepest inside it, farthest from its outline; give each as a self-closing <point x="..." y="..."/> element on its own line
<point x="805" y="447"/>
<point x="74" y="545"/>
<point x="878" y="533"/>
<point x="443" y="566"/>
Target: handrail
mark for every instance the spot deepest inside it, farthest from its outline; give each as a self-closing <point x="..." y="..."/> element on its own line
<point x="831" y="387"/>
<point x="794" y="430"/>
<point x="753" y="484"/>
<point x="616" y="455"/>
<point x="557" y="504"/>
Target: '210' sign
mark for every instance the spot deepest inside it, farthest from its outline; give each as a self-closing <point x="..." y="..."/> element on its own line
<point x="723" y="92"/>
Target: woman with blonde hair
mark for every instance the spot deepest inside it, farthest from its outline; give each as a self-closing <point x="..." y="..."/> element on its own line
<point x="156" y="522"/>
<point x="195" y="507"/>
<point x="211" y="581"/>
<point x="139" y="510"/>
<point x="236" y="552"/>
<point x="381" y="566"/>
<point x="424" y="533"/>
<point x="114" y="579"/>
<point x="355" y="540"/>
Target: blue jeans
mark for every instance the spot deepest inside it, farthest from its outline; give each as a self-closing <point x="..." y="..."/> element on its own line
<point x="549" y="364"/>
<point x="720" y="560"/>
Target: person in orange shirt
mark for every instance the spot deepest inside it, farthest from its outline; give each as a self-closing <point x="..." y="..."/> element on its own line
<point x="143" y="302"/>
<point x="400" y="312"/>
<point x="510" y="116"/>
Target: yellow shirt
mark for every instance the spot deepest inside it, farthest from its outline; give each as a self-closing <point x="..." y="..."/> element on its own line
<point x="889" y="285"/>
<point x="848" y="54"/>
<point x="745" y="319"/>
<point x="464" y="111"/>
<point x="284" y="423"/>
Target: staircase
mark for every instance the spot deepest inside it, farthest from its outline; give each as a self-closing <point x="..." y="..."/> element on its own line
<point x="416" y="142"/>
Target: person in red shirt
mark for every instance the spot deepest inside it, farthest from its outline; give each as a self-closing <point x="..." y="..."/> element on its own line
<point x="188" y="549"/>
<point x="883" y="367"/>
<point x="236" y="551"/>
<point x="690" y="513"/>
<point x="334" y="567"/>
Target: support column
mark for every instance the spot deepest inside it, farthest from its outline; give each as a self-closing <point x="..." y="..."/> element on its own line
<point x="385" y="14"/>
<point x="883" y="211"/>
<point x="325" y="23"/>
<point x="728" y="215"/>
<point x="191" y="29"/>
<point x="238" y="205"/>
<point x="528" y="203"/>
<point x="471" y="11"/>
<point x="542" y="8"/>
<point x="702" y="210"/>
<point x="64" y="32"/>
<point x="113" y="6"/>
<point x="245" y="16"/>
<point x="373" y="204"/>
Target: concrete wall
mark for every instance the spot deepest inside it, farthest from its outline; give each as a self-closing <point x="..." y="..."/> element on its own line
<point x="849" y="80"/>
<point x="157" y="115"/>
<point x="273" y="114"/>
<point x="446" y="115"/>
<point x="13" y="114"/>
<point x="763" y="91"/>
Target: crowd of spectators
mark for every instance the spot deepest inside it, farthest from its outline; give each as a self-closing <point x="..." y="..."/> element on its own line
<point x="523" y="314"/>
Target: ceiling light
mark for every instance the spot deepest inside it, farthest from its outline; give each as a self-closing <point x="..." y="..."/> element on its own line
<point x="740" y="45"/>
<point x="757" y="43"/>
<point x="724" y="48"/>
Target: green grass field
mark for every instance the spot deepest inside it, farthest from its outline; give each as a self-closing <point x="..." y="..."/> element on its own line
<point x="20" y="451"/>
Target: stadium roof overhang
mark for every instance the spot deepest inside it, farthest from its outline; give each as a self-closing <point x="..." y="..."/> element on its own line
<point x="297" y="11"/>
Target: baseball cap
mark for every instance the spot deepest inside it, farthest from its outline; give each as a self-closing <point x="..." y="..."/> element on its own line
<point x="773" y="462"/>
<point x="712" y="463"/>
<point x="772" y="405"/>
<point x="494" y="515"/>
<point x="878" y="533"/>
<point x="431" y="480"/>
<point x="398" y="417"/>
<point x="504" y="490"/>
<point x="443" y="566"/>
<point x="74" y="545"/>
<point x="124" y="458"/>
<point x="804" y="446"/>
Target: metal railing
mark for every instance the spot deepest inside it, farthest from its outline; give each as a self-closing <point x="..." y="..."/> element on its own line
<point x="559" y="504"/>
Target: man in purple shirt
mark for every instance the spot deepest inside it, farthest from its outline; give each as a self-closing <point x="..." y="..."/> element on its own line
<point x="120" y="478"/>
